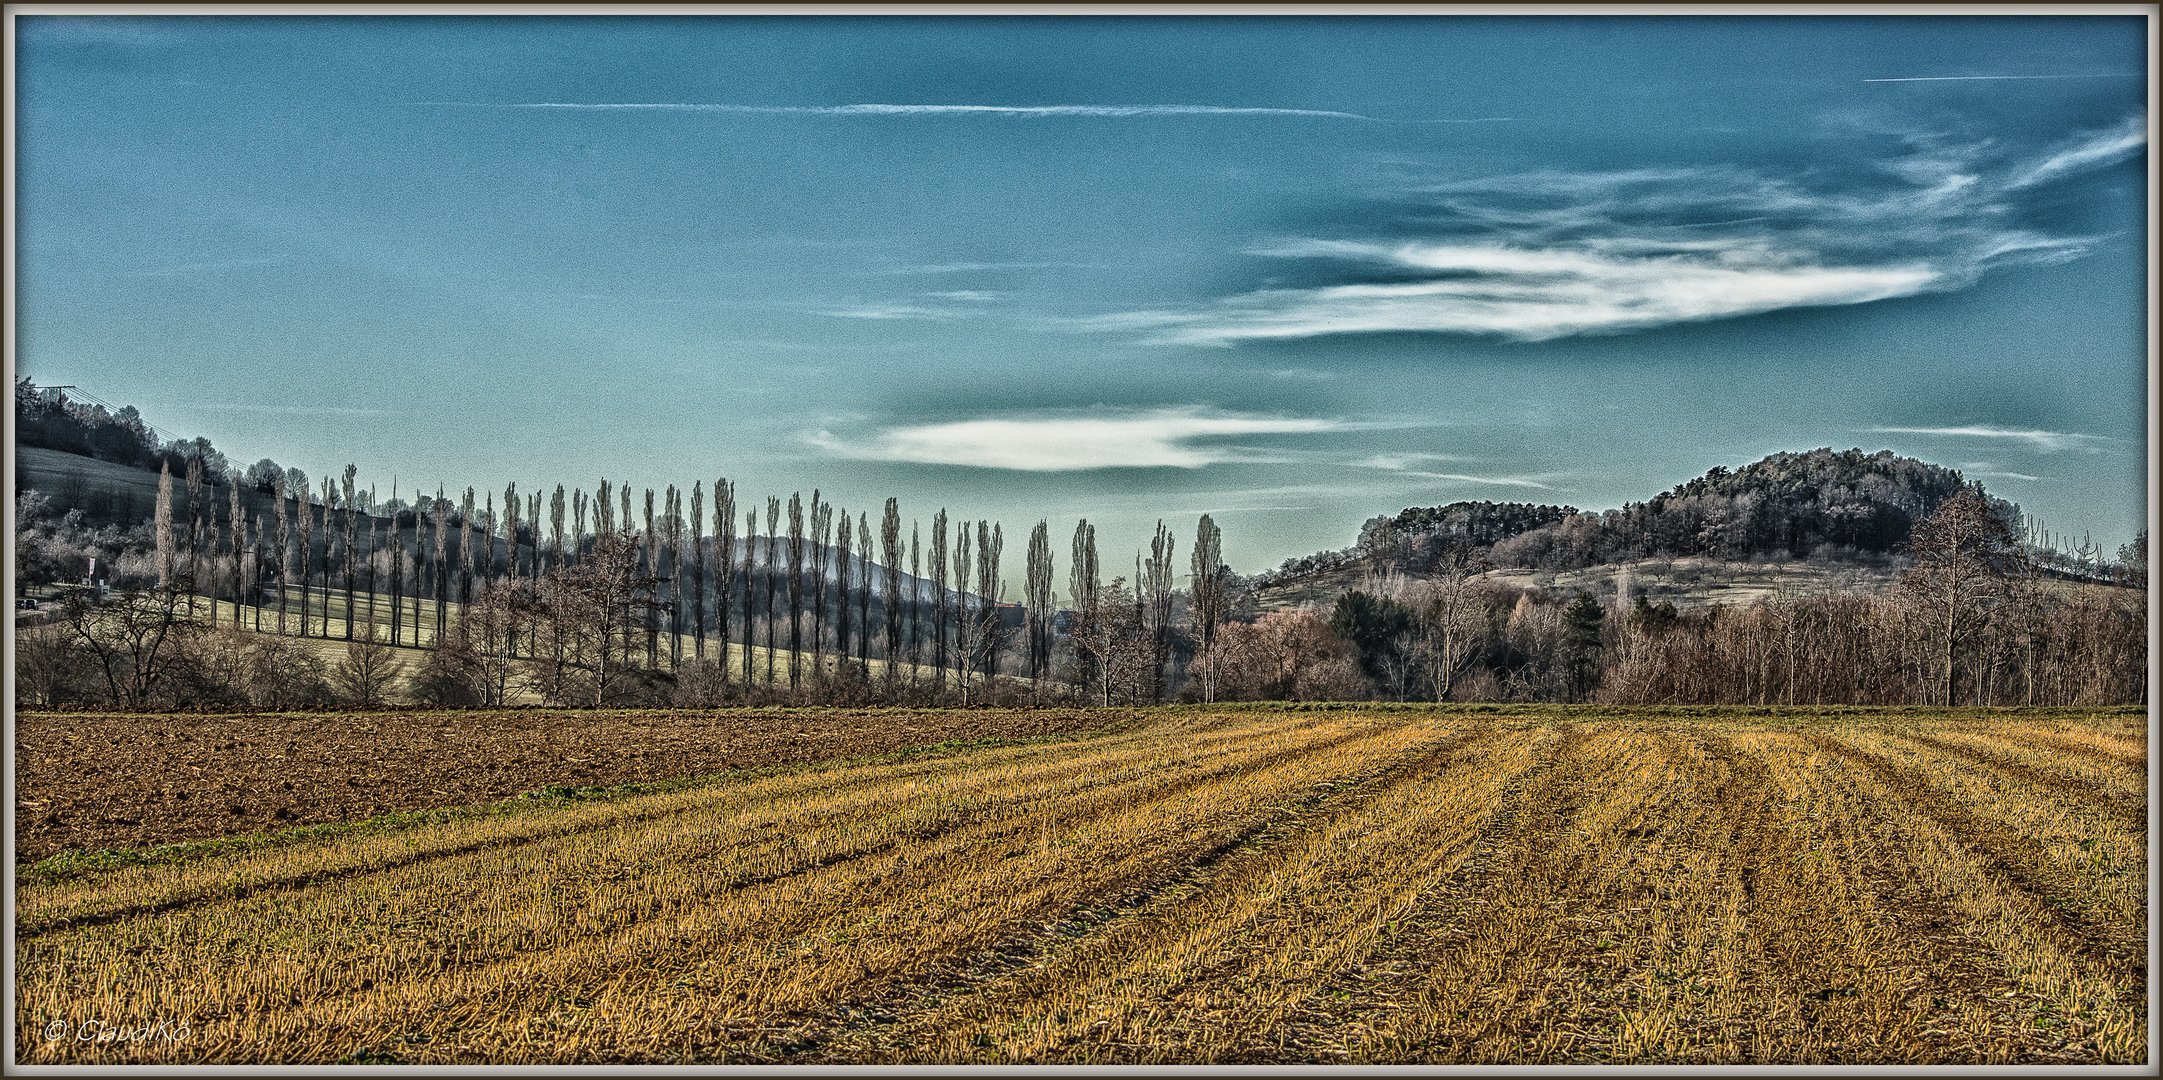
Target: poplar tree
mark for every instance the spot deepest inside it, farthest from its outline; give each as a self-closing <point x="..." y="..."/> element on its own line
<point x="650" y="558"/>
<point x="796" y="589"/>
<point x="890" y="549"/>
<point x="1037" y="596"/>
<point x="371" y="563"/>
<point x="1157" y="595"/>
<point x="510" y="530"/>
<point x="989" y="544"/>
<point x="698" y="564"/>
<point x="773" y="559"/>
<point x="675" y="576"/>
<point x="255" y="567"/>
<point x="751" y="555"/>
<point x="465" y="554"/>
<point x="237" y="528"/>
<point x="1207" y="596"/>
<point x="351" y="470"/>
<point x="844" y="577"/>
<point x="555" y="523"/>
<point x="822" y="559"/>
<point x="863" y="594"/>
<point x="161" y="517"/>
<point x="1084" y="583"/>
<point x="195" y="526"/>
<point x="938" y="601"/>
<point x="329" y="528"/>
<point x="964" y="629"/>
<point x="397" y="558"/>
<point x="724" y="551"/>
<point x="578" y="523"/>
<point x="440" y="565"/>
<point x="916" y="605"/>
<point x="304" y="514"/>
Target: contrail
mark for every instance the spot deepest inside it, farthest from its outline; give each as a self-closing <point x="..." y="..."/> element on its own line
<point x="878" y="109"/>
<point x="1985" y="78"/>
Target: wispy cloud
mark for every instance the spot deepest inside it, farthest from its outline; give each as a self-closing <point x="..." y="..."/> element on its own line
<point x="885" y="109"/>
<point x="980" y="267"/>
<point x="1399" y="462"/>
<point x="1404" y="464"/>
<point x="973" y="296"/>
<point x="1185" y="437"/>
<point x="888" y="311"/>
<point x="2089" y="151"/>
<point x="2046" y="441"/>
<point x="1546" y="255"/>
<point x="1997" y="475"/>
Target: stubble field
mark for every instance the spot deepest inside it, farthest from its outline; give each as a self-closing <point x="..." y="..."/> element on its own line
<point x="1199" y="885"/>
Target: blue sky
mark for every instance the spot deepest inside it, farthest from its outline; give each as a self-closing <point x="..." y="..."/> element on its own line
<point x="1292" y="272"/>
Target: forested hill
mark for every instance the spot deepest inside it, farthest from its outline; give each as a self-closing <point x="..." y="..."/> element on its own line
<point x="1824" y="502"/>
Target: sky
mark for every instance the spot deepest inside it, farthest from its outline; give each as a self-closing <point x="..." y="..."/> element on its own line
<point x="1289" y="272"/>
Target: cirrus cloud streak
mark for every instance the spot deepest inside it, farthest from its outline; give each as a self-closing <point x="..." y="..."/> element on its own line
<point x="1548" y="255"/>
<point x="1187" y="437"/>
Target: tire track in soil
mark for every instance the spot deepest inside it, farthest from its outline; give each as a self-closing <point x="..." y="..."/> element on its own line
<point x="1530" y="813"/>
<point x="868" y="1018"/>
<point x="302" y="881"/>
<point x="2123" y="809"/>
<point x="2015" y="857"/>
<point x="468" y="979"/>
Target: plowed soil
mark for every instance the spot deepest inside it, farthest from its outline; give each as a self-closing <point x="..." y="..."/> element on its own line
<point x="87" y="781"/>
<point x="1201" y="886"/>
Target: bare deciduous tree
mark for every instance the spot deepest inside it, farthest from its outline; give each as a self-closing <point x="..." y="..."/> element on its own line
<point x="1966" y="558"/>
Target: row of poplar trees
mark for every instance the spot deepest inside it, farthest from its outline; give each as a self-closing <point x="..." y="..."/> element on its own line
<point x="816" y="592"/>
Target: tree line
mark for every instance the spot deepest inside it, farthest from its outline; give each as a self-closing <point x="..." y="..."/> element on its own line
<point x="610" y="597"/>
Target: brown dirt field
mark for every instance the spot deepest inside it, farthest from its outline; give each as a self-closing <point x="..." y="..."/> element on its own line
<point x="1194" y="885"/>
<point x="96" y="781"/>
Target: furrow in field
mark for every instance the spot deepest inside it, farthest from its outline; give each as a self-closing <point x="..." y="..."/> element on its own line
<point x="1477" y="959"/>
<point x="2074" y="998"/>
<point x="426" y="893"/>
<point x="100" y="899"/>
<point x="1203" y="964"/>
<point x="2129" y="750"/>
<point x="2120" y="793"/>
<point x="665" y="929"/>
<point x="836" y="935"/>
<point x="1851" y="962"/>
<point x="2007" y="836"/>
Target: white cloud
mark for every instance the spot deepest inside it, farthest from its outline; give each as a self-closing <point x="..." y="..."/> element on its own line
<point x="1546" y="255"/>
<point x="2046" y="441"/>
<point x="881" y="109"/>
<point x="1184" y="438"/>
<point x="1536" y="295"/>
<point x="2089" y="151"/>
